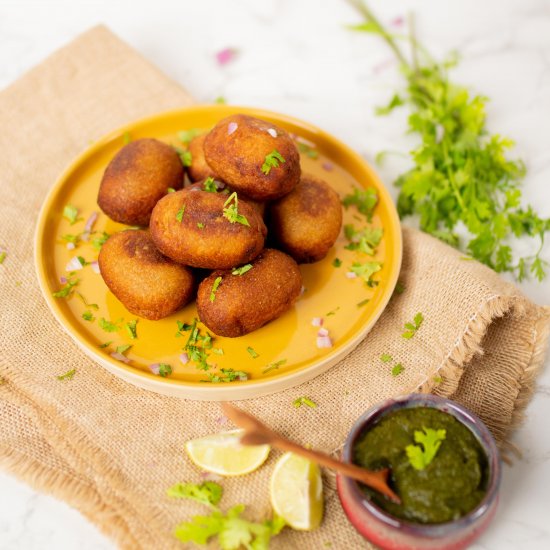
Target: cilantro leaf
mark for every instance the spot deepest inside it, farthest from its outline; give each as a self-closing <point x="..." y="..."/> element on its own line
<point x="99" y="240"/>
<point x="366" y="270"/>
<point x="365" y="240"/>
<point x="422" y="455"/>
<point x="209" y="185"/>
<point x="397" y="369"/>
<point x="337" y="262"/>
<point x="231" y="212"/>
<point x="107" y="326"/>
<point x="70" y="213"/>
<point x="185" y="156"/>
<point x="365" y="200"/>
<point x="227" y="375"/>
<point x="185" y="136"/>
<point x="179" y="214"/>
<point x="273" y="366"/>
<point x="304" y="401"/>
<point x="386" y="358"/>
<point x="253" y="353"/>
<point x="88" y="316"/>
<point x="412" y="328"/>
<point x="208" y="493"/>
<point x="67" y="289"/>
<point x="241" y="270"/>
<point x="131" y="328"/>
<point x="308" y="150"/>
<point x="164" y="369"/>
<point x="272" y="160"/>
<point x="69" y="375"/>
<point x="215" y="286"/>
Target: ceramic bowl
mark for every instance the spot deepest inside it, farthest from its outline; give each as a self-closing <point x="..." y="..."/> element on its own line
<point x="389" y="532"/>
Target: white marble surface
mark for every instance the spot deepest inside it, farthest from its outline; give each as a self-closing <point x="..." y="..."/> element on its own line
<point x="298" y="58"/>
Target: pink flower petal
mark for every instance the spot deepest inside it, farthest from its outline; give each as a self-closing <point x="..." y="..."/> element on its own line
<point x="225" y="56"/>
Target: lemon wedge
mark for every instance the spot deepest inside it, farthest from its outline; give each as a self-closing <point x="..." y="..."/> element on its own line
<point x="222" y="454"/>
<point x="297" y="492"/>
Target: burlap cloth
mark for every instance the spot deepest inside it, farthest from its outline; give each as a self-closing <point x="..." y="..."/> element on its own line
<point x="112" y="450"/>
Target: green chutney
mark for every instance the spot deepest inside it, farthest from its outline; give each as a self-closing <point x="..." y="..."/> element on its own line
<point x="449" y="487"/>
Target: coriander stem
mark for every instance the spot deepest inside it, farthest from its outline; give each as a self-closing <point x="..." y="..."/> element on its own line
<point x="369" y="16"/>
<point x="414" y="43"/>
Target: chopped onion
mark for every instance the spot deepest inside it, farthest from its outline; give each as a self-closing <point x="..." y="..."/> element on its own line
<point x="222" y="420"/>
<point x="302" y="290"/>
<point x="155" y="368"/>
<point x="184" y="358"/>
<point x="327" y="166"/>
<point x="351" y="275"/>
<point x="90" y="222"/>
<point x="63" y="280"/>
<point x="322" y="332"/>
<point x="317" y="321"/>
<point x="225" y="56"/>
<point x="85" y="236"/>
<point x="71" y="246"/>
<point x="209" y="476"/>
<point x="243" y="376"/>
<point x="120" y="357"/>
<point x="231" y="127"/>
<point x="219" y="184"/>
<point x="73" y="265"/>
<point x="324" y="342"/>
<point x="272" y="132"/>
<point x="194" y="189"/>
<point x="95" y="267"/>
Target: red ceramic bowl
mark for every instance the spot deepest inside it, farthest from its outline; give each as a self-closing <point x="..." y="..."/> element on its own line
<point x="391" y="533"/>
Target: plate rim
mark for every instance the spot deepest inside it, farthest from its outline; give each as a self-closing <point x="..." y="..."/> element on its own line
<point x="236" y="390"/>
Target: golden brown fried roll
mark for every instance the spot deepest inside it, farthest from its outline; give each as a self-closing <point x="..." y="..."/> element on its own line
<point x="253" y="156"/>
<point x="137" y="177"/>
<point x="146" y="282"/>
<point x="208" y="230"/>
<point x="233" y="305"/>
<point x="199" y="169"/>
<point x="306" y="222"/>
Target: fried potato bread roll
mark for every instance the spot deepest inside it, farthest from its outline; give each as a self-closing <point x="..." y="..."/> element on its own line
<point x="199" y="169"/>
<point x="146" y="282"/>
<point x="253" y="156"/>
<point x="234" y="305"/>
<point x="207" y="230"/>
<point x="137" y="177"/>
<point x="306" y="222"/>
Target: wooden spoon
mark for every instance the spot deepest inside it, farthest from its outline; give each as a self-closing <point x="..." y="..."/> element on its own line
<point x="257" y="433"/>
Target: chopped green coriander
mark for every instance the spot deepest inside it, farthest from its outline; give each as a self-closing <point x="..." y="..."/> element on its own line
<point x="170" y="190"/>
<point x="272" y="161"/>
<point x="273" y="366"/>
<point x="386" y="358"/>
<point x="397" y="369"/>
<point x="165" y="370"/>
<point x="88" y="316"/>
<point x="2" y="257"/>
<point x="200" y="225"/>
<point x="184" y="327"/>
<point x="332" y="312"/>
<point x="126" y="138"/>
<point x="179" y="215"/>
<point x="70" y="238"/>
<point x="437" y="379"/>
<point x="366" y="270"/>
<point x="215" y="286"/>
<point x="209" y="185"/>
<point x="131" y="328"/>
<point x="304" y="401"/>
<point x="227" y="375"/>
<point x="67" y="289"/>
<point x="107" y="326"/>
<point x="365" y="200"/>
<point x="197" y="345"/>
<point x="123" y="348"/>
<point x="217" y="351"/>
<point x="91" y="306"/>
<point x="337" y="262"/>
<point x="365" y="240"/>
<point x="363" y="302"/>
<point x="241" y="270"/>
<point x="231" y="212"/>
<point x="185" y="156"/>
<point x="429" y="441"/>
<point x="69" y="375"/>
<point x="207" y="493"/>
<point x="99" y="240"/>
<point x="70" y="213"/>
<point x="253" y="353"/>
<point x="412" y="328"/>
<point x="105" y="345"/>
<point x="399" y="288"/>
<point x="220" y="100"/>
<point x="185" y="136"/>
<point x="308" y="150"/>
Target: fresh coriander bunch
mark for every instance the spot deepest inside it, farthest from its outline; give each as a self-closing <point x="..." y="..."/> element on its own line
<point x="461" y="174"/>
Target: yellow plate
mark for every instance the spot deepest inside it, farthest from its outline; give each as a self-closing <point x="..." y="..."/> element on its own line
<point x="329" y="293"/>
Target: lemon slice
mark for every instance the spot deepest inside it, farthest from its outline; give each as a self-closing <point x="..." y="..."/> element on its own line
<point x="222" y="454"/>
<point x="297" y="492"/>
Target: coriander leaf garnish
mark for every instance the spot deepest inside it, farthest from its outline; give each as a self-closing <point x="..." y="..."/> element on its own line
<point x="307" y="149"/>
<point x="185" y="136"/>
<point x="170" y="190"/>
<point x="185" y="156"/>
<point x="3" y="255"/>
<point x="337" y="262"/>
<point x="304" y="401"/>
<point x="131" y="328"/>
<point x="220" y="100"/>
<point x="397" y="369"/>
<point x="217" y="351"/>
<point x="105" y="345"/>
<point x="273" y="366"/>
<point x="411" y="328"/>
<point x="462" y="175"/>
<point x="70" y="213"/>
<point x="366" y="270"/>
<point x="231" y="210"/>
<point x="91" y="306"/>
<point x="123" y="348"/>
<point x="365" y="200"/>
<point x="386" y="358"/>
<point x="107" y="326"/>
<point x="126" y="138"/>
<point x="333" y="312"/>
<point x="215" y="286"/>
<point x="272" y="161"/>
<point x="365" y="240"/>
<point x="99" y="240"/>
<point x="209" y="185"/>
<point x="69" y="375"/>
<point x="179" y="215"/>
<point x="241" y="270"/>
<point x="88" y="316"/>
<point x="165" y="370"/>
<point x="200" y="225"/>
<point x="422" y="455"/>
<point x="227" y="375"/>
<point x="197" y="344"/>
<point x="207" y="493"/>
<point x="253" y="353"/>
<point x="67" y="289"/>
<point x="363" y="302"/>
<point x="399" y="288"/>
